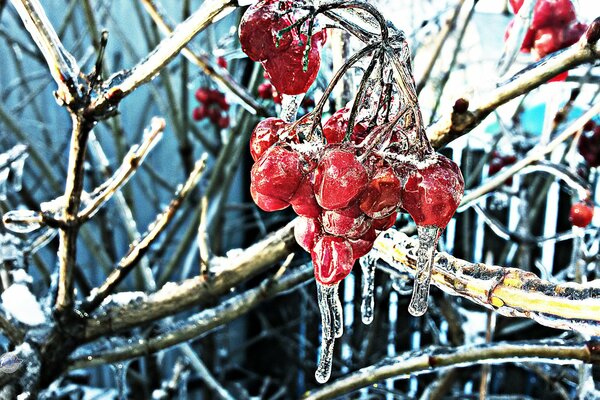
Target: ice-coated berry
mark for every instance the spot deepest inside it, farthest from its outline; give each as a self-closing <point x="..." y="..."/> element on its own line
<point x="304" y="202"/>
<point x="265" y="134"/>
<point x="339" y="178"/>
<point x="221" y="62"/>
<point x="383" y="224"/>
<point x="332" y="259"/>
<point x="382" y="195"/>
<point x="548" y="13"/>
<point x="286" y="68"/>
<point x="202" y="95"/>
<point x="334" y="129"/>
<point x="265" y="90"/>
<point x="364" y="244"/>
<point x="259" y="28"/>
<point x="348" y="222"/>
<point x="433" y="191"/>
<point x="277" y="173"/>
<point x="267" y="203"/>
<point x="581" y="214"/>
<point x="306" y="231"/>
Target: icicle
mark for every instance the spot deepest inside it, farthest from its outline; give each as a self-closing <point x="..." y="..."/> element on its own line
<point x="331" y="327"/>
<point x="17" y="172"/>
<point x="3" y="178"/>
<point x="120" y="371"/>
<point x="428" y="237"/>
<point x="22" y="221"/>
<point x="367" y="264"/>
<point x="289" y="106"/>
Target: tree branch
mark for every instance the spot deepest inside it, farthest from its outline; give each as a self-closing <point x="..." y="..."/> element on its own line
<point x="435" y="358"/>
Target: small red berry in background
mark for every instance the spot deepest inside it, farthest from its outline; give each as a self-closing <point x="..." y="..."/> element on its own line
<point x="581" y="214"/>
<point x="498" y="162"/>
<point x="589" y="144"/>
<point x="213" y="106"/>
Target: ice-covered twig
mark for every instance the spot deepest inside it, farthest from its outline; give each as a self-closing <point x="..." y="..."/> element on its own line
<point x="454" y="125"/>
<point x="511" y="292"/>
<point x="132" y="160"/>
<point x="218" y="74"/>
<point x="14" y="334"/>
<point x="123" y="83"/>
<point x="62" y="64"/>
<point x="202" y="370"/>
<point x="436" y="358"/>
<point x="141" y="246"/>
<point x="200" y="323"/>
<point x="535" y="154"/>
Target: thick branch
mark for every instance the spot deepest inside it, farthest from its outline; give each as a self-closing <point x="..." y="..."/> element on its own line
<point x="201" y="323"/>
<point x="177" y="297"/>
<point x="455" y="124"/>
<point x="123" y="83"/>
<point x="509" y="291"/>
<point x="433" y="359"/>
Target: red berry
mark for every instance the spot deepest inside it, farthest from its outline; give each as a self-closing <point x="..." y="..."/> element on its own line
<point x="214" y="114"/>
<point x="362" y="246"/>
<point x="276" y="97"/>
<point x="334" y="129"/>
<point x="223" y="122"/>
<point x="306" y="231"/>
<point x="221" y="62"/>
<point x="349" y="222"/>
<point x="552" y="13"/>
<point x="277" y="173"/>
<point x="332" y="259"/>
<point x="382" y="195"/>
<point x="589" y="126"/>
<point x="202" y="95"/>
<point x="432" y="192"/>
<point x="286" y="68"/>
<point x="516" y="5"/>
<point x="265" y="134"/>
<point x="259" y="27"/>
<point x="265" y="90"/>
<point x="581" y="214"/>
<point x="304" y="202"/>
<point x="340" y="177"/>
<point x="267" y="203"/>
<point x="199" y="113"/>
<point x="383" y="224"/>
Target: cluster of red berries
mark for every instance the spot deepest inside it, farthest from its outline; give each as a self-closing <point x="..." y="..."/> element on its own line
<point x="554" y="26"/>
<point x="581" y="213"/>
<point x="344" y="194"/>
<point x="213" y="105"/>
<point x="291" y="59"/>
<point x="499" y="161"/>
<point x="589" y="144"/>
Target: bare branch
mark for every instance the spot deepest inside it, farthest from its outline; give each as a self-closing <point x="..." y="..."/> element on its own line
<point x="123" y="83"/>
<point x="141" y="246"/>
<point x="454" y="125"/>
<point x="433" y="359"/>
<point x="62" y="64"/>
<point x="201" y="323"/>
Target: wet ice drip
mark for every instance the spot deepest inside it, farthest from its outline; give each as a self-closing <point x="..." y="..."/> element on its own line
<point x="367" y="264"/>
<point x="289" y="106"/>
<point x="428" y="238"/>
<point x="332" y="326"/>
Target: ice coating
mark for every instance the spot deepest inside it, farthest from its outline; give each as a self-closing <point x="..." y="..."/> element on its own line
<point x="22" y="221"/>
<point x="428" y="238"/>
<point x="367" y="264"/>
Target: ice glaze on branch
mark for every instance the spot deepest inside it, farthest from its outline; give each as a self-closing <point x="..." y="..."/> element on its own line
<point x="509" y="291"/>
<point x="433" y="359"/>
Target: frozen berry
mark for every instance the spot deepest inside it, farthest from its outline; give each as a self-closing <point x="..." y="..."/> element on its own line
<point x="304" y="202"/>
<point x="223" y="122"/>
<point x="382" y="195"/>
<point x="306" y="231"/>
<point x="277" y="173"/>
<point x="199" y="113"/>
<point x="202" y="95"/>
<point x="432" y="192"/>
<point x="332" y="259"/>
<point x="383" y="224"/>
<point x="334" y="129"/>
<point x="581" y="214"/>
<point x="267" y="203"/>
<point x="339" y="178"/>
<point x="265" y="90"/>
<point x="552" y="13"/>
<point x="265" y="134"/>
<point x="349" y="222"/>
<point x="364" y="244"/>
